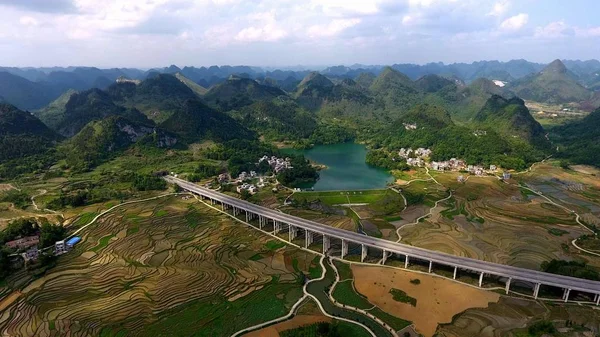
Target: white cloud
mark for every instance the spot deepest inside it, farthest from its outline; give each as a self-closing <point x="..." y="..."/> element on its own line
<point x="553" y="30"/>
<point x="334" y="28"/>
<point x="514" y="23"/>
<point x="500" y="8"/>
<point x="338" y="8"/>
<point x="28" y="21"/>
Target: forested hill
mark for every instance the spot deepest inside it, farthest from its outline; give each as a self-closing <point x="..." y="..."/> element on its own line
<point x="430" y="126"/>
<point x="579" y="142"/>
<point x="22" y="134"/>
<point x="510" y="117"/>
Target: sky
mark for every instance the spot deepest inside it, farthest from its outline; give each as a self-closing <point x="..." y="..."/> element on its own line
<point x="278" y="33"/>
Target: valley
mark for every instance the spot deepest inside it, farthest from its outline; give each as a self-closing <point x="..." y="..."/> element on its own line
<point x="463" y="167"/>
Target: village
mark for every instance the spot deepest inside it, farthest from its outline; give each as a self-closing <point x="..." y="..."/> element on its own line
<point x="253" y="181"/>
<point x="27" y="247"/>
<point x="420" y="158"/>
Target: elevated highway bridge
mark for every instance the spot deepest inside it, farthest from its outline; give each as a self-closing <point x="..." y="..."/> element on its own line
<point x="296" y="227"/>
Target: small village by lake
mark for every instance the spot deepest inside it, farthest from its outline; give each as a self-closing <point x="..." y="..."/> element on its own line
<point x="346" y="168"/>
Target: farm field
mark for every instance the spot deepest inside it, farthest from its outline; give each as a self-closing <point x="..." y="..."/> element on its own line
<point x="511" y="315"/>
<point x="437" y="300"/>
<point x="186" y="272"/>
<point x="493" y="221"/>
<point x="342" y="197"/>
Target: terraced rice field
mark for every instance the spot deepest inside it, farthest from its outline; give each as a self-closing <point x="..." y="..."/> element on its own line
<point x="138" y="274"/>
<point x="489" y="220"/>
<point x="510" y="316"/>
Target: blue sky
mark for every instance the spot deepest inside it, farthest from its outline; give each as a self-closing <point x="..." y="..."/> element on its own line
<point x="149" y="33"/>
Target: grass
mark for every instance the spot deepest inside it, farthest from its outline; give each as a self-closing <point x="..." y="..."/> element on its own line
<point x="192" y="217"/>
<point x="341" y="328"/>
<point x="344" y="270"/>
<point x="338" y="197"/>
<point x="344" y="293"/>
<point x="395" y="322"/>
<point x="393" y="218"/>
<point x="256" y="257"/>
<point x="273" y="245"/>
<point x="84" y="219"/>
<point x="102" y="243"/>
<point x="315" y="270"/>
<point x="216" y="316"/>
<point x="133" y="230"/>
<point x="160" y="213"/>
<point x="557" y="231"/>
<point x="400" y="296"/>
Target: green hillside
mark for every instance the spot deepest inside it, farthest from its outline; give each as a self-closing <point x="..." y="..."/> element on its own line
<point x="90" y="105"/>
<point x="434" y="129"/>
<point x="554" y="84"/>
<point x="101" y="140"/>
<point x="277" y="121"/>
<point x="158" y="97"/>
<point x="196" y="88"/>
<point x="53" y="113"/>
<point x="237" y="92"/>
<point x="195" y="121"/>
<point x="580" y="141"/>
<point x="22" y="134"/>
<point x="394" y="92"/>
<point x="511" y="118"/>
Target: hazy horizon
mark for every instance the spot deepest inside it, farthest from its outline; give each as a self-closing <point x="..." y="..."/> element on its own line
<point x="271" y="33"/>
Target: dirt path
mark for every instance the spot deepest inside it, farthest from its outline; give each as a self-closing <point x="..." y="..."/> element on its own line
<point x="438" y="300"/>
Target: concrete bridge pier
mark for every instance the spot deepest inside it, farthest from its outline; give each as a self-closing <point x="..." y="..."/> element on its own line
<point x="344" y="248"/>
<point x="276" y="227"/>
<point x="385" y="256"/>
<point x="363" y="254"/>
<point x="597" y="299"/>
<point x="566" y="294"/>
<point x="480" y="280"/>
<point x="455" y="270"/>
<point x="247" y="219"/>
<point x="326" y="244"/>
<point x="292" y="233"/>
<point x="406" y="262"/>
<point x="536" y="290"/>
<point x="507" y="289"/>
<point x="430" y="266"/>
<point x="308" y="238"/>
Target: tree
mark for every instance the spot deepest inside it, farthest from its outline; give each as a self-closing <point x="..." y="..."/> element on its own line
<point x="49" y="234"/>
<point x="245" y="194"/>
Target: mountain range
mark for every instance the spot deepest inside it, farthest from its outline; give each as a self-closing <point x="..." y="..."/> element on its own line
<point x="34" y="88"/>
<point x="168" y="109"/>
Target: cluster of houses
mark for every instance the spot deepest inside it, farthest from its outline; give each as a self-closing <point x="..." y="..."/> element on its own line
<point x="415" y="157"/>
<point x="449" y="165"/>
<point x="248" y="187"/>
<point x="28" y="245"/>
<point x="278" y="164"/>
<point x="478" y="133"/>
<point x="410" y="126"/>
<point x="246" y="176"/>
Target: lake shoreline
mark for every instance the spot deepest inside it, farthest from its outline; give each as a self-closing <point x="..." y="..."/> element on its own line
<point x="343" y="166"/>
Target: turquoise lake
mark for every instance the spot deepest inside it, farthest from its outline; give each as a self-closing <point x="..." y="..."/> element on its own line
<point x="346" y="168"/>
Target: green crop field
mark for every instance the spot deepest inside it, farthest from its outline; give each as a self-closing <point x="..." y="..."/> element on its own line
<point x="342" y="197"/>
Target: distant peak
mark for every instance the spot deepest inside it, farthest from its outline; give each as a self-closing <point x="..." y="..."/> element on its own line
<point x="315" y="78"/>
<point x="557" y="66"/>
